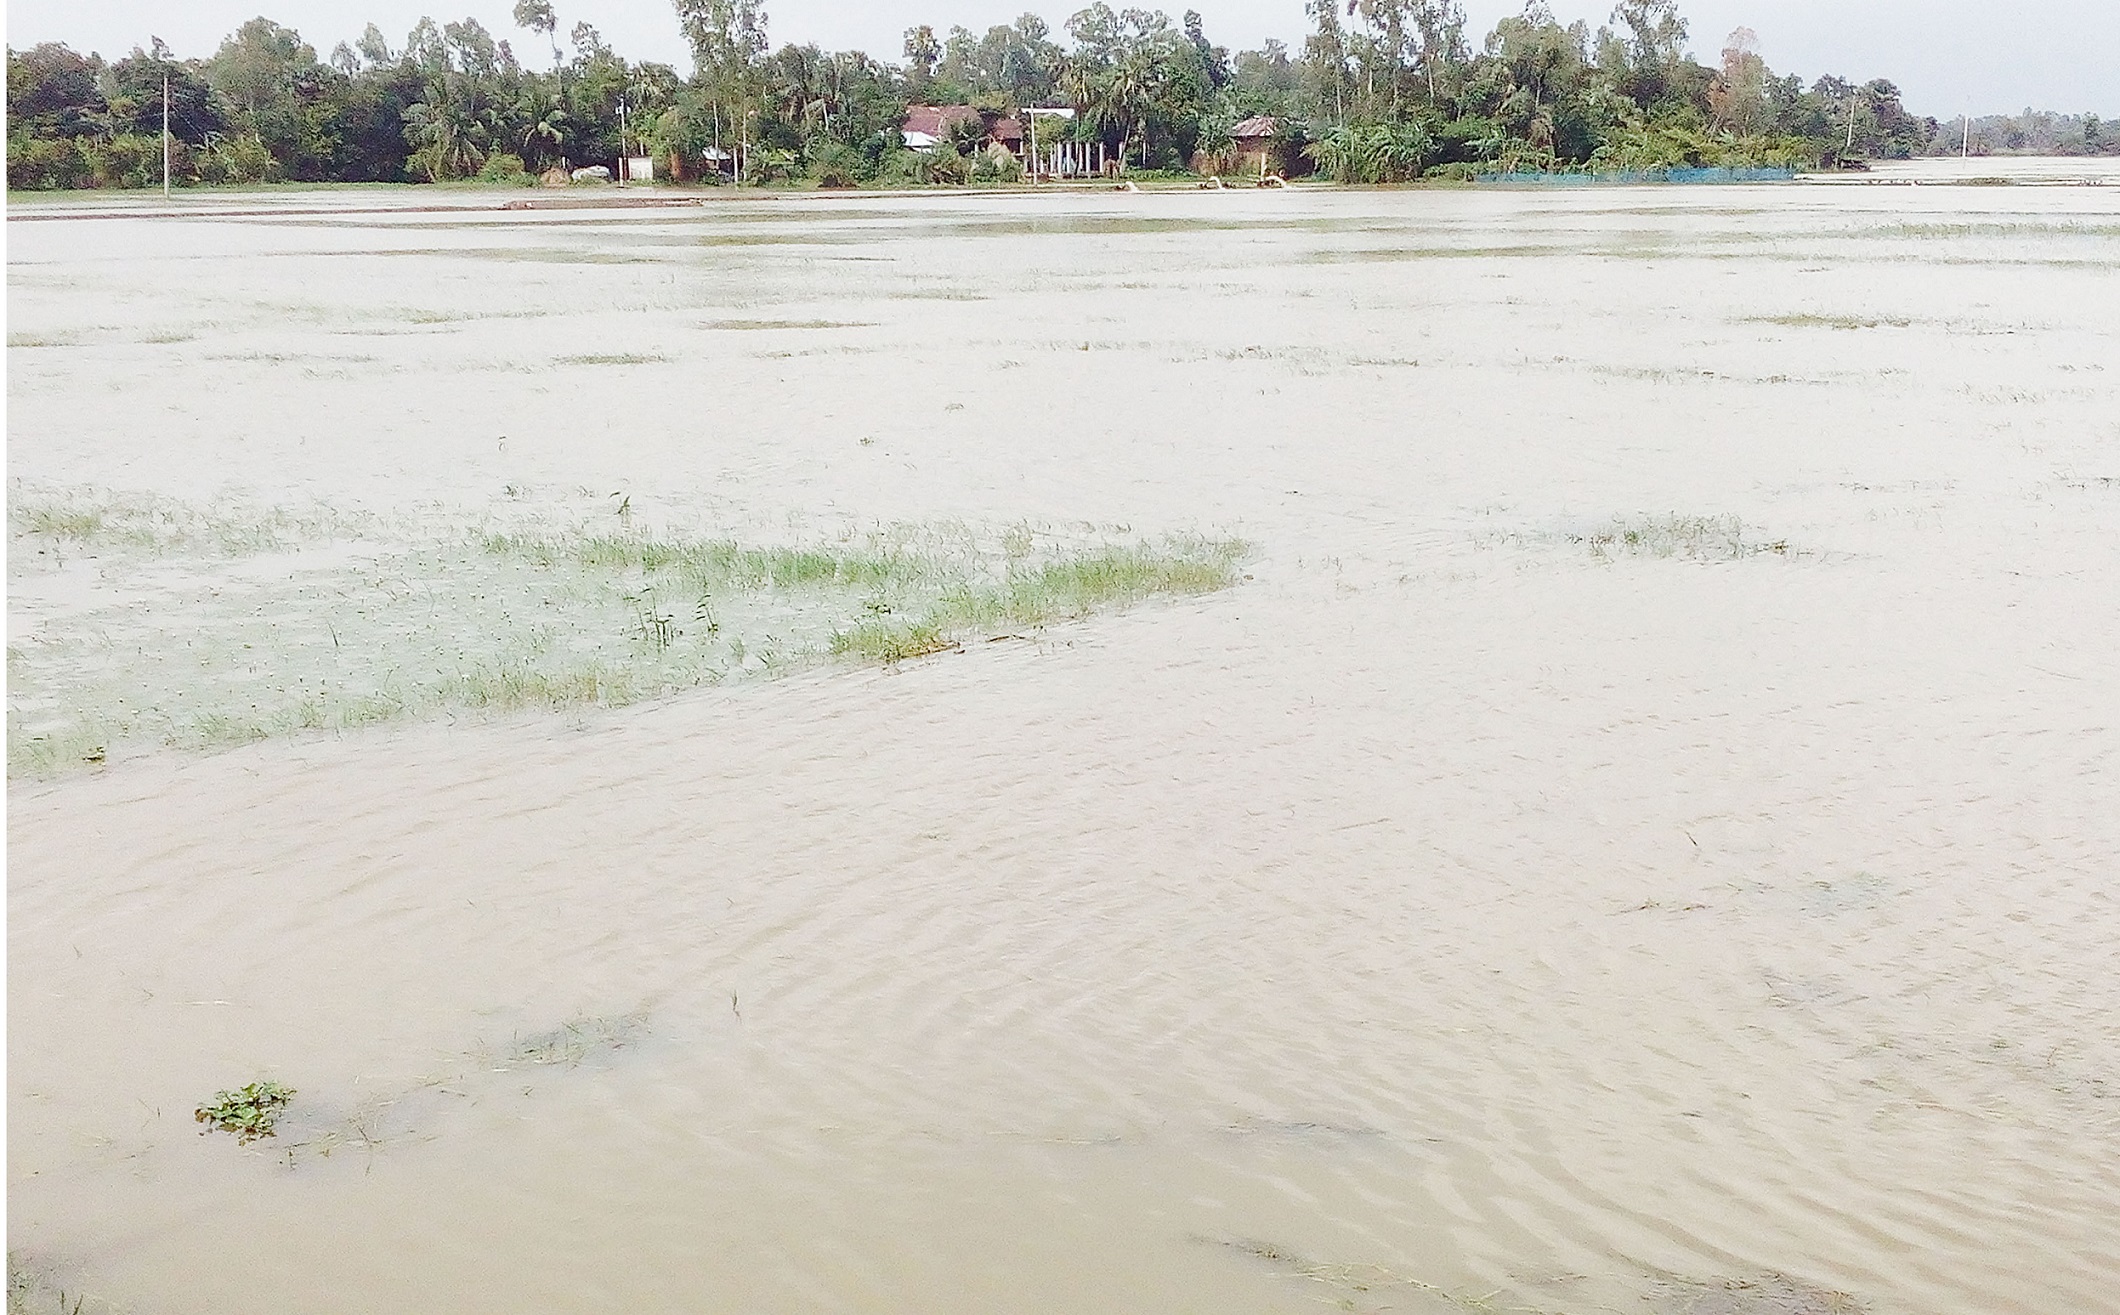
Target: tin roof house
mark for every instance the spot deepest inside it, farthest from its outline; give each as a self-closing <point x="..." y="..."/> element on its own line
<point x="927" y="125"/>
<point x="1257" y="146"/>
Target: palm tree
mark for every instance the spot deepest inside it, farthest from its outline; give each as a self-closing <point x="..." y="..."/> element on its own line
<point x="542" y="131"/>
<point x="453" y="129"/>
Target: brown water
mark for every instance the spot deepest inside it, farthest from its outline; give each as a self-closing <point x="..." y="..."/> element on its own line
<point x="1454" y="912"/>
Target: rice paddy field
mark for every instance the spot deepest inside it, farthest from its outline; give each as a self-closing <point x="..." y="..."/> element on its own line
<point x="1462" y="750"/>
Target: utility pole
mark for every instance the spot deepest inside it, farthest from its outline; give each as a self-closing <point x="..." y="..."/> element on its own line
<point x="1965" y="148"/>
<point x="165" y="136"/>
<point x="622" y="162"/>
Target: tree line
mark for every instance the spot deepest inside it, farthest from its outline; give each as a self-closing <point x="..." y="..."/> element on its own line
<point x="1380" y="91"/>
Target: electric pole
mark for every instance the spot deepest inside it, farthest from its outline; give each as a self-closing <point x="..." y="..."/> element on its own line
<point x="165" y="136"/>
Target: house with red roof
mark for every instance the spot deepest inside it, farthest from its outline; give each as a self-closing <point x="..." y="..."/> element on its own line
<point x="925" y="125"/>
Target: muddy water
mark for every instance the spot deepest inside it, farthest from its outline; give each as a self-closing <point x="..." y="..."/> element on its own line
<point x="1449" y="913"/>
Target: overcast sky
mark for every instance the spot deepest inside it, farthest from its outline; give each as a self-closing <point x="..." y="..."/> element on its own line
<point x="1948" y="56"/>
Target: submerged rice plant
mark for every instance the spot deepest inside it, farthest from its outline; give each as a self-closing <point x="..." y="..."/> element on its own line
<point x="1694" y="538"/>
<point x="1810" y="320"/>
<point x="182" y="634"/>
<point x="43" y="521"/>
<point x="1676" y="536"/>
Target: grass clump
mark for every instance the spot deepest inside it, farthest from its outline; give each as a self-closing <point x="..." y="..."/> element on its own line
<point x="1039" y="595"/>
<point x="249" y="1112"/>
<point x="890" y="641"/>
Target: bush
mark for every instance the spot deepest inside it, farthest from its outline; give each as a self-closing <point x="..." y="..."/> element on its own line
<point x="909" y="168"/>
<point x="1373" y="152"/>
<point x="1461" y="171"/>
<point x="898" y="167"/>
<point x="507" y="170"/>
<point x="835" y="164"/>
<point x="46" y="163"/>
<point x="126" y="160"/>
<point x="996" y="168"/>
<point x="770" y="164"/>
<point x="943" y="165"/>
<point x="237" y="159"/>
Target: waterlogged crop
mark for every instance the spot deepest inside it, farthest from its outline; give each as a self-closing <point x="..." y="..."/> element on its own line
<point x="211" y="627"/>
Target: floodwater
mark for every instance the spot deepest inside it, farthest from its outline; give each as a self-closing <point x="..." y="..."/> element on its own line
<point x="1469" y="910"/>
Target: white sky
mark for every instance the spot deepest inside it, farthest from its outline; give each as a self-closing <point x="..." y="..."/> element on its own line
<point x="1948" y="56"/>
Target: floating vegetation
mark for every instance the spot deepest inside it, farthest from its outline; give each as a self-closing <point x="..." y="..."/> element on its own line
<point x="767" y="325"/>
<point x="1686" y="538"/>
<point x="44" y="521"/>
<point x="1694" y="538"/>
<point x="2013" y="229"/>
<point x="415" y="1112"/>
<point x="1769" y="1294"/>
<point x="1364" y="1279"/>
<point x="36" y="1289"/>
<point x="249" y="1112"/>
<point x="1356" y="255"/>
<point x="151" y="622"/>
<point x="1665" y="1294"/>
<point x="612" y="358"/>
<point x="1807" y="320"/>
<point x="567" y="1045"/>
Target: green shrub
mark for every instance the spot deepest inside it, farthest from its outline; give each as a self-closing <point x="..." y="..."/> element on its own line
<point x="127" y="160"/>
<point x="45" y="163"/>
<point x="1373" y="152"/>
<point x="898" y="167"/>
<point x="770" y="164"/>
<point x="237" y="159"/>
<point x="835" y="164"/>
<point x="943" y="165"/>
<point x="506" y="169"/>
<point x="996" y="168"/>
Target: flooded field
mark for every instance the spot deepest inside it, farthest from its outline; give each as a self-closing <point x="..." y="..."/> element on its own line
<point x="1483" y="751"/>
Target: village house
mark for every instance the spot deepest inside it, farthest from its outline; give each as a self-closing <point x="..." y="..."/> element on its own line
<point x="1256" y="146"/>
<point x="926" y="125"/>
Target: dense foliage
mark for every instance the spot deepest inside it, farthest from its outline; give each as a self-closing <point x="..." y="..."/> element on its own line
<point x="1381" y="90"/>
